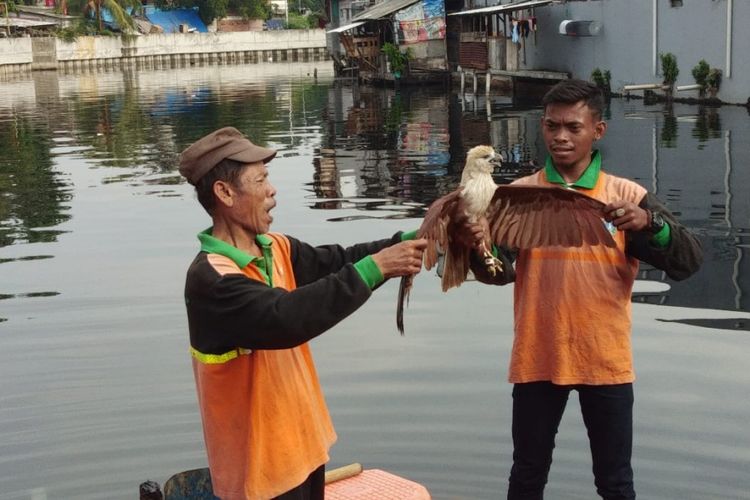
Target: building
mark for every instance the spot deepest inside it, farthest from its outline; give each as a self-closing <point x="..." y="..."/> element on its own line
<point x="553" y="39"/>
<point x="626" y="39"/>
<point x="398" y="41"/>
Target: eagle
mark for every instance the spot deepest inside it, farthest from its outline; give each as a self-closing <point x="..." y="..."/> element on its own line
<point x="519" y="217"/>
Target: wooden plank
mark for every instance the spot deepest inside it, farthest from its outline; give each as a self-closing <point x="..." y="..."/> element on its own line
<point x="530" y="73"/>
<point x="643" y="86"/>
<point x="681" y="88"/>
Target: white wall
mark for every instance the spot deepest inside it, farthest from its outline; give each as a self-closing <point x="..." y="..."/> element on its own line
<point x="19" y="50"/>
<point x="197" y="43"/>
<point x="15" y="51"/>
<point x="695" y="31"/>
<point x="89" y="47"/>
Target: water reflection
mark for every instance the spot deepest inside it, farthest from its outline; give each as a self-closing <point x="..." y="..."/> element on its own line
<point x="408" y="146"/>
<point x="669" y="129"/>
<point x="366" y="157"/>
<point x="384" y="153"/>
<point x="707" y="125"/>
<point x="34" y="196"/>
<point x="392" y="147"/>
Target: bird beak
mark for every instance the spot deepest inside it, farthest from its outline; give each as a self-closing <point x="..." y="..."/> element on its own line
<point x="497" y="160"/>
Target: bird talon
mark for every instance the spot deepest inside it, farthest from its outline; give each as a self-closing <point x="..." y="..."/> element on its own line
<point x="493" y="264"/>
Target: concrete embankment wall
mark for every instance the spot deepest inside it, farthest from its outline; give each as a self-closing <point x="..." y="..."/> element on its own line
<point x="162" y="50"/>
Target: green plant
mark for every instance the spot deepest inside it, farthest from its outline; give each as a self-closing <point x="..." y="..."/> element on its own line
<point x="7" y="6"/>
<point x="700" y="74"/>
<point x="303" y="21"/>
<point x="713" y="81"/>
<point x="253" y="10"/>
<point x="298" y="22"/>
<point x="397" y="59"/>
<point x="669" y="70"/>
<point x="84" y="27"/>
<point x="602" y="79"/>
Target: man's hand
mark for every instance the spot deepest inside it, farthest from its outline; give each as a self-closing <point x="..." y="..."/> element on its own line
<point x="470" y="234"/>
<point x="401" y="259"/>
<point x="627" y="216"/>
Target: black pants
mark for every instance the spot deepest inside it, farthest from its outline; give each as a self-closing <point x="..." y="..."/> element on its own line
<point x="608" y="414"/>
<point x="312" y="489"/>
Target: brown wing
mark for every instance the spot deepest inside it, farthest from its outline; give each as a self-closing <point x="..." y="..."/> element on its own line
<point x="534" y="216"/>
<point x="435" y="226"/>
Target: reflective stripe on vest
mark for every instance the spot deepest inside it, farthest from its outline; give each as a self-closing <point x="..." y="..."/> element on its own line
<point x="214" y="359"/>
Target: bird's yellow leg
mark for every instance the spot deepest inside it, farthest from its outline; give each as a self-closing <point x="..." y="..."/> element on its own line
<point x="493" y="264"/>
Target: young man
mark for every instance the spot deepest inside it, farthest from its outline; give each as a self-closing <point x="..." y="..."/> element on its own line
<point x="572" y="305"/>
<point x="254" y="299"/>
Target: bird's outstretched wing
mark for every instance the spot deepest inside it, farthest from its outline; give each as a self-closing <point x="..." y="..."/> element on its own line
<point x="435" y="224"/>
<point x="535" y="216"/>
<point x="434" y="228"/>
<point x="519" y="217"/>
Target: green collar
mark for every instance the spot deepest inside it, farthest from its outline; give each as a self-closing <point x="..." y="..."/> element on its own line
<point x="210" y="244"/>
<point x="587" y="180"/>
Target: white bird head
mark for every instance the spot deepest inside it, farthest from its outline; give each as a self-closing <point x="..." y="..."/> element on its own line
<point x="482" y="159"/>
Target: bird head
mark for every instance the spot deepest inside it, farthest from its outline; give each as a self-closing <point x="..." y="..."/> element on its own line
<point x="482" y="159"/>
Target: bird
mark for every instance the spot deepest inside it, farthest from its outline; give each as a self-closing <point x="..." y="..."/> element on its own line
<point x="519" y="217"/>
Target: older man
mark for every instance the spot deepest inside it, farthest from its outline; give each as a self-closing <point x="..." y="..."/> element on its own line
<point x="254" y="299"/>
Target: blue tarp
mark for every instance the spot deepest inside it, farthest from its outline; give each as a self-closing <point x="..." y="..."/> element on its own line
<point x="170" y="20"/>
<point x="275" y="24"/>
<point x="173" y="102"/>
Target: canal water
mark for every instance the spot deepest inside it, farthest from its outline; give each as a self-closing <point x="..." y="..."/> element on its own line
<point x="97" y="230"/>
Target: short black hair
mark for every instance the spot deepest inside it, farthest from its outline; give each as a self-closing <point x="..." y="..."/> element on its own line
<point x="226" y="170"/>
<point x="573" y="91"/>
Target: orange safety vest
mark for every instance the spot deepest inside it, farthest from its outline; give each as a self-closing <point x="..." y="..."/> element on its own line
<point x="572" y="306"/>
<point x="265" y="421"/>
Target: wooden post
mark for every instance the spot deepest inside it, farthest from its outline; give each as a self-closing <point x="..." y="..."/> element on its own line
<point x="344" y="472"/>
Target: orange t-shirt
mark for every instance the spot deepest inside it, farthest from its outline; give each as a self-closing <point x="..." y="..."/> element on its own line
<point x="265" y="422"/>
<point x="572" y="305"/>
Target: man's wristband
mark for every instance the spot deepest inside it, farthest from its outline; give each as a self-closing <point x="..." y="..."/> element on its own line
<point x="658" y="229"/>
<point x="655" y="222"/>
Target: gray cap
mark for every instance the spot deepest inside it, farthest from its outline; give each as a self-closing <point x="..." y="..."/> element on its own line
<point x="226" y="143"/>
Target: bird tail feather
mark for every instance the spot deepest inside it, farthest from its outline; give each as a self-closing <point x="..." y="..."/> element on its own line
<point x="404" y="288"/>
<point x="456" y="267"/>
